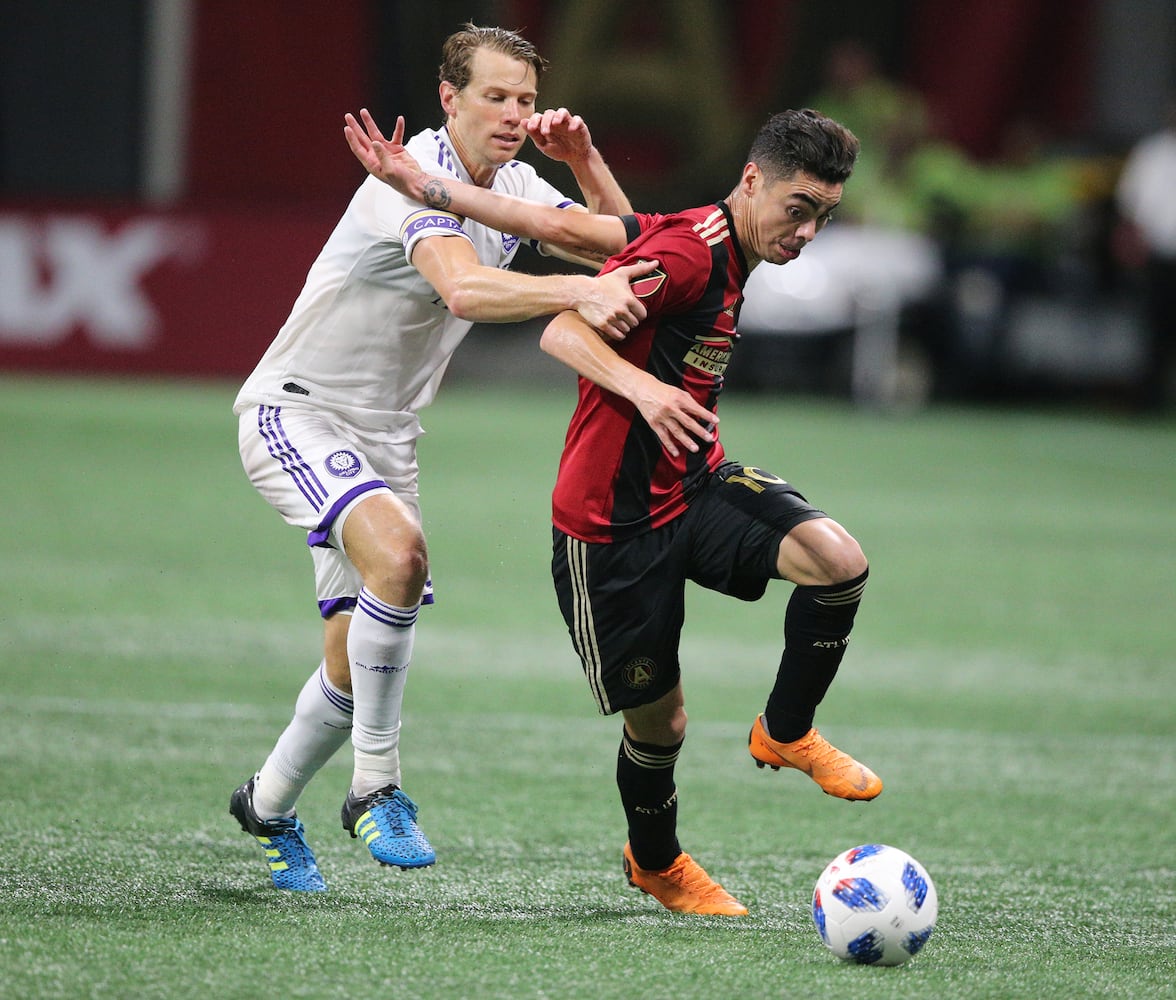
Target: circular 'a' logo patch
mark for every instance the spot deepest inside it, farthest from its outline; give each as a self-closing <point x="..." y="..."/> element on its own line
<point x="639" y="673"/>
<point x="343" y="464"/>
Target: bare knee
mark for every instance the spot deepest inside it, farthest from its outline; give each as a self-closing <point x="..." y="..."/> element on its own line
<point x="820" y="553"/>
<point x="384" y="541"/>
<point x="397" y="572"/>
<point x="844" y="560"/>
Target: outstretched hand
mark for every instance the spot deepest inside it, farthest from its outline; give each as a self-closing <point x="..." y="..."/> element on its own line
<point x="385" y="159"/>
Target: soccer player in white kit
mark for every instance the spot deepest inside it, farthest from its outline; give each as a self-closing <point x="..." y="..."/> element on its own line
<point x="329" y="423"/>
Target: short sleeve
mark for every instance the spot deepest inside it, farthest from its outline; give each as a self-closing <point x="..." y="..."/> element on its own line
<point x="684" y="267"/>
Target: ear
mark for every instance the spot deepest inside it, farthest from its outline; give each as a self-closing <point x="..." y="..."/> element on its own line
<point x="448" y="94"/>
<point x="751" y="180"/>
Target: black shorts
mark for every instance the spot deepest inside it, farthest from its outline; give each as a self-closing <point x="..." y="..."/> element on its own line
<point x="625" y="602"/>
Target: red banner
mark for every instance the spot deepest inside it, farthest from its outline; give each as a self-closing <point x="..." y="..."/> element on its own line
<point x="133" y="291"/>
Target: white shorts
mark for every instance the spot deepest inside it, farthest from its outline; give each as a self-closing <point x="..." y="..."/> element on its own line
<point x="313" y="470"/>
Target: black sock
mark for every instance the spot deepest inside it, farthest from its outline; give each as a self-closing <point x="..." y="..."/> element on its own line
<point x="645" y="777"/>
<point x="816" y="632"/>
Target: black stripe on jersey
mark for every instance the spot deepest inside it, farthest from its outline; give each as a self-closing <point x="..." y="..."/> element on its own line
<point x="673" y="339"/>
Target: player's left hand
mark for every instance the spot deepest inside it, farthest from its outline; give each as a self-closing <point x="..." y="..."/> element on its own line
<point x="559" y="134"/>
<point x="676" y="417"/>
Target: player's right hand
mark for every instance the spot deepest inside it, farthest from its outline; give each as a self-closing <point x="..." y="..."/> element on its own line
<point x="612" y="307"/>
<point x="385" y="159"/>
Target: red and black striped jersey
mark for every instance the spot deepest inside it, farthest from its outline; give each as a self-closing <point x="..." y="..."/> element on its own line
<point x="615" y="479"/>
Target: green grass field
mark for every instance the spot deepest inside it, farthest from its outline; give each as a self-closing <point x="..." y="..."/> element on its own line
<point x="1011" y="679"/>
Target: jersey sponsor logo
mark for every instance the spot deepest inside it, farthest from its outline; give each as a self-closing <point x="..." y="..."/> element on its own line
<point x="434" y="220"/>
<point x="648" y="284"/>
<point x="343" y="464"/>
<point x="639" y="673"/>
<point x="710" y="354"/>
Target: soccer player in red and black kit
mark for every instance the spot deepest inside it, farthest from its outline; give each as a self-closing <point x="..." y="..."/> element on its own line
<point x="646" y="498"/>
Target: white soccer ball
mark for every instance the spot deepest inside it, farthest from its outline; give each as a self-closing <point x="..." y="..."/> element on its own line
<point x="875" y="905"/>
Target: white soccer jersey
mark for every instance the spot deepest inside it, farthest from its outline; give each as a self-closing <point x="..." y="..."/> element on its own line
<point x="368" y="337"/>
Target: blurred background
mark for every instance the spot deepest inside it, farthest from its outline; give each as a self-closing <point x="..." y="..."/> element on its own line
<point x="170" y="168"/>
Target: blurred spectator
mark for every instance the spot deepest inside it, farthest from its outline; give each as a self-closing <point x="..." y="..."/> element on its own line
<point x="907" y="177"/>
<point x="891" y="122"/>
<point x="872" y="105"/>
<point x="902" y="208"/>
<point x="1026" y="192"/>
<point x="1007" y="230"/>
<point x="1022" y="222"/>
<point x="1146" y="242"/>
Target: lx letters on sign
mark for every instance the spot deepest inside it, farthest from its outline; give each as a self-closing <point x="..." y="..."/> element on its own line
<point x="63" y="273"/>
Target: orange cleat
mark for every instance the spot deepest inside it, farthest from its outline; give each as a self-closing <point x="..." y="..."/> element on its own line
<point x="684" y="887"/>
<point x="835" y="771"/>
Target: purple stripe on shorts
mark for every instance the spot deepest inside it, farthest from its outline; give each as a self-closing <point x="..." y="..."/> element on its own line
<point x="269" y="424"/>
<point x="335" y="605"/>
<point x="321" y="534"/>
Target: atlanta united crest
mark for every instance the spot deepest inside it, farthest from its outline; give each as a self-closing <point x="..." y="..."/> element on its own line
<point x="639" y="673"/>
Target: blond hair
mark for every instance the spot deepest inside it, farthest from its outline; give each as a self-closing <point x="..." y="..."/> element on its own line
<point x="457" y="54"/>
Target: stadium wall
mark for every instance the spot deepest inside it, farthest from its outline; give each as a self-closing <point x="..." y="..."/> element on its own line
<point x="102" y="270"/>
<point x="132" y="291"/>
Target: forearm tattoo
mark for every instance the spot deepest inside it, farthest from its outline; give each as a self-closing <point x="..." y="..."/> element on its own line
<point x="437" y="194"/>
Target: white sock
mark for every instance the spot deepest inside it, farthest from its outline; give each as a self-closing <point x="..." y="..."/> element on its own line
<point x="321" y="725"/>
<point x="379" y="645"/>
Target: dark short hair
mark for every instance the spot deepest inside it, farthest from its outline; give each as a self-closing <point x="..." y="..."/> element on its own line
<point x="457" y="54"/>
<point x="805" y="141"/>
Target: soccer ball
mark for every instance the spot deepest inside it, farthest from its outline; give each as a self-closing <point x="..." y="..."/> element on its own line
<point x="875" y="905"/>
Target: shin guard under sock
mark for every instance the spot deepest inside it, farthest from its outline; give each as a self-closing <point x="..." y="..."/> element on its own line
<point x="816" y="632"/>
<point x="645" y="778"/>
<point x="379" y="646"/>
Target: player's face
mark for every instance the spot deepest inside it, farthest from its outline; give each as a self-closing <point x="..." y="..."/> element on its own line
<point x="486" y="116"/>
<point x="785" y="215"/>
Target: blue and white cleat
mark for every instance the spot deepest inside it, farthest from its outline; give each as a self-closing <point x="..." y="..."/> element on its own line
<point x="386" y="822"/>
<point x="291" y="861"/>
